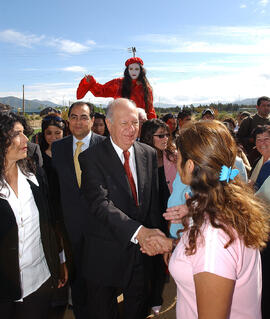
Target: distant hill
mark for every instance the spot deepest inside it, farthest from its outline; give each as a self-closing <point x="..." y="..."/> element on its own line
<point x="165" y="105"/>
<point x="251" y="101"/>
<point x="30" y="105"/>
<point x="36" y="105"/>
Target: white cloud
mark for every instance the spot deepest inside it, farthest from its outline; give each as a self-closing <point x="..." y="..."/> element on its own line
<point x="243" y="6"/>
<point x="68" y="46"/>
<point x="65" y="46"/>
<point x="90" y="42"/>
<point x="232" y="32"/>
<point x="251" y="82"/>
<point x="263" y="3"/>
<point x="20" y="39"/>
<point x="207" y="47"/>
<point x="75" y="68"/>
<point x="213" y="39"/>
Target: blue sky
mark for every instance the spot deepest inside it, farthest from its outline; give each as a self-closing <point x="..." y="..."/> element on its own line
<point x="193" y="51"/>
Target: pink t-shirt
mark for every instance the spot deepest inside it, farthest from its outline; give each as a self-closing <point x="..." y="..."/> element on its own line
<point x="237" y="262"/>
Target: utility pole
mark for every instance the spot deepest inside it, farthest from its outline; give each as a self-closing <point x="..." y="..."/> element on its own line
<point x="133" y="50"/>
<point x="23" y="108"/>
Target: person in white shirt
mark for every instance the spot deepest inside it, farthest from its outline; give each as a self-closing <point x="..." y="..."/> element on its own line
<point x="29" y="261"/>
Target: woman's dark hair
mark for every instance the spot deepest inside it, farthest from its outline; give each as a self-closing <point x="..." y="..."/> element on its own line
<point x="50" y="120"/>
<point x="167" y="117"/>
<point x="260" y="129"/>
<point x="127" y="83"/>
<point x="7" y="122"/>
<point x="103" y="117"/>
<point x="231" y="121"/>
<point x="231" y="206"/>
<point x="148" y="130"/>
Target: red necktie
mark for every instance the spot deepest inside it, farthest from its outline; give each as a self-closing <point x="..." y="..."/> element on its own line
<point x="129" y="176"/>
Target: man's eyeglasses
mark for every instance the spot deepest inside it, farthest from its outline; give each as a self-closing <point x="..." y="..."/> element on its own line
<point x="162" y="135"/>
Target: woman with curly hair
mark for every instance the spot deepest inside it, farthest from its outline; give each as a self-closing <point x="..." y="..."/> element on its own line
<point x="216" y="264"/>
<point x="29" y="261"/>
<point x="134" y="86"/>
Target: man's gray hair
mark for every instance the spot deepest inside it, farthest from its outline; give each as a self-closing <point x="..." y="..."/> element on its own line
<point x="113" y="104"/>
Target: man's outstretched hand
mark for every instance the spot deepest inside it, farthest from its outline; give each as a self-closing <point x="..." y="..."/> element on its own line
<point x="153" y="241"/>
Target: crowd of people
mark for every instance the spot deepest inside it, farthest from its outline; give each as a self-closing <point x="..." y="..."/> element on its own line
<point x="103" y="205"/>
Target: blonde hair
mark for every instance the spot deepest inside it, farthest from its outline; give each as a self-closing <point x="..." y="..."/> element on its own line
<point x="231" y="206"/>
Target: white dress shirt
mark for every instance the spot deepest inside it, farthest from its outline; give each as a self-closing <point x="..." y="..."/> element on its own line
<point x="132" y="165"/>
<point x="85" y="140"/>
<point x="132" y="162"/>
<point x="34" y="270"/>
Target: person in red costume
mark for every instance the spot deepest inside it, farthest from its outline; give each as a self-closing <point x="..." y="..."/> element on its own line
<point x="134" y="86"/>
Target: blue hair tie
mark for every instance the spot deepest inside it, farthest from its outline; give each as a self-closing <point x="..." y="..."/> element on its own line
<point x="227" y="173"/>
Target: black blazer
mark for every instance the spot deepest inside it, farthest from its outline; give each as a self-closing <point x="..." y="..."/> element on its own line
<point x="73" y="205"/>
<point x="113" y="216"/>
<point x="9" y="262"/>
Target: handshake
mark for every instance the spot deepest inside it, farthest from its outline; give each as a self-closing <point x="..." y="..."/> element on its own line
<point x="154" y="241"/>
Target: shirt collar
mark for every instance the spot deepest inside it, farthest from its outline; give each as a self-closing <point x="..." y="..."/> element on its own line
<point x="85" y="140"/>
<point x="5" y="190"/>
<point x="119" y="150"/>
<point x="31" y="177"/>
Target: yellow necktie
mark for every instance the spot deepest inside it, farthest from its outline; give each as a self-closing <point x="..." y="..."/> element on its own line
<point x="76" y="162"/>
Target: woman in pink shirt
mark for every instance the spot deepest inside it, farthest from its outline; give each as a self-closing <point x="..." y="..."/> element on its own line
<point x="216" y="264"/>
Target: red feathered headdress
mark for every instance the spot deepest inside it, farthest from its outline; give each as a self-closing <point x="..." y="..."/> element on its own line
<point x="133" y="60"/>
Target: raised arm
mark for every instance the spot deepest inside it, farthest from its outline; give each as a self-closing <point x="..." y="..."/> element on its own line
<point x="88" y="83"/>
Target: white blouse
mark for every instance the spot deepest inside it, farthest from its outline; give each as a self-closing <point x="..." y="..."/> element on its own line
<point x="34" y="270"/>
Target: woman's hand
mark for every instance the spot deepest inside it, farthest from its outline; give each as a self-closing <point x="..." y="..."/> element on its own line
<point x="176" y="213"/>
<point x="63" y="275"/>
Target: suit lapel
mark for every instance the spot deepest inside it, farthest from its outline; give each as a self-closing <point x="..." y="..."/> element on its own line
<point x="68" y="152"/>
<point x="68" y="158"/>
<point x="141" y="168"/>
<point x="116" y="168"/>
<point x="37" y="191"/>
<point x="93" y="139"/>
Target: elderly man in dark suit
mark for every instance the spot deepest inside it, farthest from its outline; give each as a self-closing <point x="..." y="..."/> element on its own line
<point x="74" y="207"/>
<point x="120" y="183"/>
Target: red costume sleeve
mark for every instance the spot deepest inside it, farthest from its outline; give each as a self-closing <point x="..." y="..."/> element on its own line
<point x="151" y="114"/>
<point x="109" y="89"/>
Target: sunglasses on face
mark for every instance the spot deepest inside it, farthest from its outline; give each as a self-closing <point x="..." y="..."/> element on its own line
<point x="55" y="118"/>
<point x="162" y="135"/>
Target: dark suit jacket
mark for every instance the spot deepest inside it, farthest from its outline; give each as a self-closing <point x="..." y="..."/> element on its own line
<point x="113" y="216"/>
<point x="9" y="251"/>
<point x="73" y="205"/>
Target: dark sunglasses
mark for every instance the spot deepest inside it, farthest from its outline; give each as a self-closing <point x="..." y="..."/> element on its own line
<point x="50" y="118"/>
<point x="162" y="135"/>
